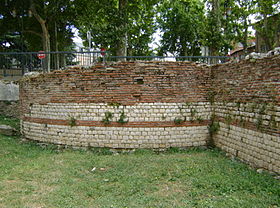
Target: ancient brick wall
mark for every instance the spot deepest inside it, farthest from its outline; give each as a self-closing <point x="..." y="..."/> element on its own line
<point x="123" y="105"/>
<point x="160" y="105"/>
<point x="247" y="99"/>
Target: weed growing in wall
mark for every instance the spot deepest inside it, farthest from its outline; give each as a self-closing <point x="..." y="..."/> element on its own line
<point x="242" y="121"/>
<point x="199" y="119"/>
<point x="72" y="121"/>
<point x="228" y="119"/>
<point x="114" y="104"/>
<point x="193" y="113"/>
<point x="272" y="121"/>
<point x="178" y="120"/>
<point x="108" y="117"/>
<point x="259" y="122"/>
<point x="211" y="96"/>
<point x="213" y="128"/>
<point x="122" y="118"/>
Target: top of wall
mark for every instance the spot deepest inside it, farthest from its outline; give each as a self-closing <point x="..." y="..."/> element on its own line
<point x="123" y="82"/>
<point x="252" y="80"/>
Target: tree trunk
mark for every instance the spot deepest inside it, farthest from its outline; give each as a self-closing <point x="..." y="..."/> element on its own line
<point x="46" y="48"/>
<point x="268" y="38"/>
<point x="45" y="35"/>
<point x="213" y="49"/>
<point x="245" y="35"/>
<point x="122" y="42"/>
<point x="56" y="47"/>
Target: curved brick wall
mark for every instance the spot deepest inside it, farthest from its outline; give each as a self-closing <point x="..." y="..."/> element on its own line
<point x="146" y="104"/>
<point x="160" y="105"/>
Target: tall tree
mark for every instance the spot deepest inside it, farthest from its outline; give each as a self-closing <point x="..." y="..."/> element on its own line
<point x="181" y="25"/>
<point x="213" y="33"/>
<point x="267" y="29"/>
<point x="39" y="20"/>
<point x="117" y="24"/>
<point x="243" y="11"/>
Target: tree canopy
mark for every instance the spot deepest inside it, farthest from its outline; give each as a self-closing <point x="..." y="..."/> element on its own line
<point x="127" y="27"/>
<point x="181" y="24"/>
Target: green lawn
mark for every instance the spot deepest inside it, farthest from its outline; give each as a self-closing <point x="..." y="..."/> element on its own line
<point x="32" y="176"/>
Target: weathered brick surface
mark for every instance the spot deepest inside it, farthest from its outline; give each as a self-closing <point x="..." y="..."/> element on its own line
<point x="164" y="104"/>
<point x="247" y="104"/>
<point x="127" y="83"/>
<point x="248" y="81"/>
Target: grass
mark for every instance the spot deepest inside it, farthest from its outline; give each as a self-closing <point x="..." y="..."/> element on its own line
<point x="33" y="176"/>
<point x="13" y="122"/>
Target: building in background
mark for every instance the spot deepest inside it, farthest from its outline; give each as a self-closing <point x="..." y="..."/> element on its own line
<point x="238" y="52"/>
<point x="267" y="33"/>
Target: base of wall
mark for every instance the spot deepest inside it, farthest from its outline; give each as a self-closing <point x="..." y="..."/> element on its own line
<point x="117" y="137"/>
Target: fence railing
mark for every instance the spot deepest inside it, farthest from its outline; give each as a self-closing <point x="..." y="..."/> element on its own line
<point x="19" y="63"/>
<point x="199" y="59"/>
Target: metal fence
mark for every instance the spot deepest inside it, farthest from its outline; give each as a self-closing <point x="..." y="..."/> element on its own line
<point x="199" y="59"/>
<point x="19" y="63"/>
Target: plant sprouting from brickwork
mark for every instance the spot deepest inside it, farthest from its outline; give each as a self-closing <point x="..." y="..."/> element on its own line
<point x="211" y="96"/>
<point x="193" y="113"/>
<point x="259" y="122"/>
<point x="108" y="117"/>
<point x="228" y="120"/>
<point x="182" y="118"/>
<point x="178" y="120"/>
<point x="72" y="121"/>
<point x="199" y="119"/>
<point x="114" y="104"/>
<point x="122" y="119"/>
<point x="213" y="128"/>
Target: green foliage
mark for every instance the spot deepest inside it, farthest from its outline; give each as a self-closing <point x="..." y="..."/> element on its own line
<point x="72" y="121"/>
<point x="188" y="104"/>
<point x="214" y="127"/>
<point x="178" y="120"/>
<point x="272" y="121"/>
<point x="13" y="122"/>
<point x="262" y="108"/>
<point x="211" y="96"/>
<point x="118" y="24"/>
<point x="181" y="24"/>
<point x="108" y="117"/>
<point x="228" y="119"/>
<point x="242" y="10"/>
<point x="199" y="119"/>
<point x="259" y="122"/>
<point x="268" y="29"/>
<point x="242" y="121"/>
<point x="100" y="150"/>
<point x="193" y="113"/>
<point x="122" y="118"/>
<point x="114" y="104"/>
<point x="22" y="30"/>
